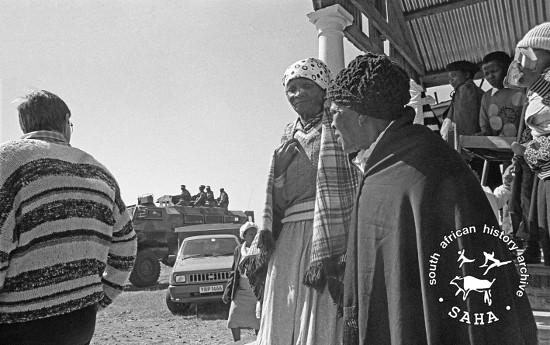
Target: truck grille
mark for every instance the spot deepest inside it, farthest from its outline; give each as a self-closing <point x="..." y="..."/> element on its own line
<point x="209" y="276"/>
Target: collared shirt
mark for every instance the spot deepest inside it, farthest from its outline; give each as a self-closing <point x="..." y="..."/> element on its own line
<point x="50" y="136"/>
<point x="361" y="159"/>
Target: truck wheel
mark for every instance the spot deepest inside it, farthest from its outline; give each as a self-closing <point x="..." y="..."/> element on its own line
<point x="146" y="269"/>
<point x="176" y="308"/>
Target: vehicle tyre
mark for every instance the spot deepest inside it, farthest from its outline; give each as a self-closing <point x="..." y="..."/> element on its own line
<point x="146" y="269"/>
<point x="176" y="308"/>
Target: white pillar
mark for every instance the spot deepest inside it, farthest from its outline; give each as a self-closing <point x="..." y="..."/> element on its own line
<point x="330" y="23"/>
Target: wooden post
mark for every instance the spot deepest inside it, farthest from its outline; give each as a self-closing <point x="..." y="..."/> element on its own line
<point x="485" y="172"/>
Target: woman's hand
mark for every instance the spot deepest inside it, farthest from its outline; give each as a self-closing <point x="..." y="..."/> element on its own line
<point x="226" y="299"/>
<point x="284" y="155"/>
<point x="518" y="149"/>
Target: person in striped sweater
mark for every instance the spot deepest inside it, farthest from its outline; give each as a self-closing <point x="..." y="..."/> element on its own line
<point x="67" y="244"/>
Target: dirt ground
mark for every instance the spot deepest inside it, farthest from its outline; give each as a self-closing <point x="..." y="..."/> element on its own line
<point x="141" y="317"/>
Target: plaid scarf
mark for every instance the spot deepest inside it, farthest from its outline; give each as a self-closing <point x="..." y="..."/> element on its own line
<point x="336" y="187"/>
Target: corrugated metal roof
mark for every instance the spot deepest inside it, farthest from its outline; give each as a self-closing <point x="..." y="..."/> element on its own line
<point x="471" y="32"/>
<point x="444" y="31"/>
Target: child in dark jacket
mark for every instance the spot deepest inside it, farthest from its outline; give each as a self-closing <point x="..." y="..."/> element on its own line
<point x="466" y="99"/>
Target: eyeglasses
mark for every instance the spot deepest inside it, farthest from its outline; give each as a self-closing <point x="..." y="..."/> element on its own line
<point x="526" y="57"/>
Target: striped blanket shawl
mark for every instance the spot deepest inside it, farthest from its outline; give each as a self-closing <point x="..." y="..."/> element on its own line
<point x="335" y="194"/>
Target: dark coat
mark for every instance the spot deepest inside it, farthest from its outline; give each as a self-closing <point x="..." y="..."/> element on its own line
<point x="185" y="195"/>
<point x="223" y="200"/>
<point x="464" y="109"/>
<point x="210" y="198"/>
<point x="199" y="199"/>
<point x="417" y="190"/>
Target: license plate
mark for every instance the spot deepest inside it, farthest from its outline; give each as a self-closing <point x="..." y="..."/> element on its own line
<point x="212" y="288"/>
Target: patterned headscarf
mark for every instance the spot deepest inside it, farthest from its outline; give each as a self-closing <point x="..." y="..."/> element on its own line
<point x="310" y="68"/>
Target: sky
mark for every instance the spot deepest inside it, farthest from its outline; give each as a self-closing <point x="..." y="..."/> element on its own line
<point x="166" y="92"/>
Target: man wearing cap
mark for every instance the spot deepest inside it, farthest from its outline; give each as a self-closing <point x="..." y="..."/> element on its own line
<point x="223" y="199"/>
<point x="210" y="200"/>
<point x="200" y="198"/>
<point x="185" y="196"/>
<point x="466" y="100"/>
<point x="416" y="196"/>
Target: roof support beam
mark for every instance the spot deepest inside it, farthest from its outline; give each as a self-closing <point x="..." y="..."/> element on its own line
<point x="362" y="41"/>
<point x="393" y="34"/>
<point x="317" y="4"/>
<point x="435" y="79"/>
<point x="444" y="7"/>
<point x="396" y="14"/>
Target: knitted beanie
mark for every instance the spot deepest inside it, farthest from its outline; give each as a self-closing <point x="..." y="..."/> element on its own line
<point x="372" y="85"/>
<point x="537" y="38"/>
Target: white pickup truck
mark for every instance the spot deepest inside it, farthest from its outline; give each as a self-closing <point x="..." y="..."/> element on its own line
<point x="201" y="271"/>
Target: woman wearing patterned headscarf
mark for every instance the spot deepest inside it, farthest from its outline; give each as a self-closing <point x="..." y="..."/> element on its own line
<point x="309" y="200"/>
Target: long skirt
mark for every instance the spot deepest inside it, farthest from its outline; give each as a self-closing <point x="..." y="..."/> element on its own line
<point x="292" y="313"/>
<point x="242" y="313"/>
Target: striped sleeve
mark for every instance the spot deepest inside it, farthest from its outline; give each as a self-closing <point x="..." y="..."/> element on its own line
<point x="121" y="257"/>
<point x="5" y="249"/>
<point x="7" y="230"/>
<point x="542" y="85"/>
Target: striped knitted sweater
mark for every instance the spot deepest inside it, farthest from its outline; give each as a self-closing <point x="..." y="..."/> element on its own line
<point x="66" y="240"/>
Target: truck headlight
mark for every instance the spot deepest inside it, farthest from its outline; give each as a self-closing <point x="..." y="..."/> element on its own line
<point x="179" y="279"/>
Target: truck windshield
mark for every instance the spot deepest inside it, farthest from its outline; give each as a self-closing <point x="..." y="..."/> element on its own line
<point x="208" y="247"/>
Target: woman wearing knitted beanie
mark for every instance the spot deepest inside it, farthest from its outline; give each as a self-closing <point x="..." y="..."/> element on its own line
<point x="299" y="249"/>
<point x="421" y="228"/>
<point x="531" y="69"/>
